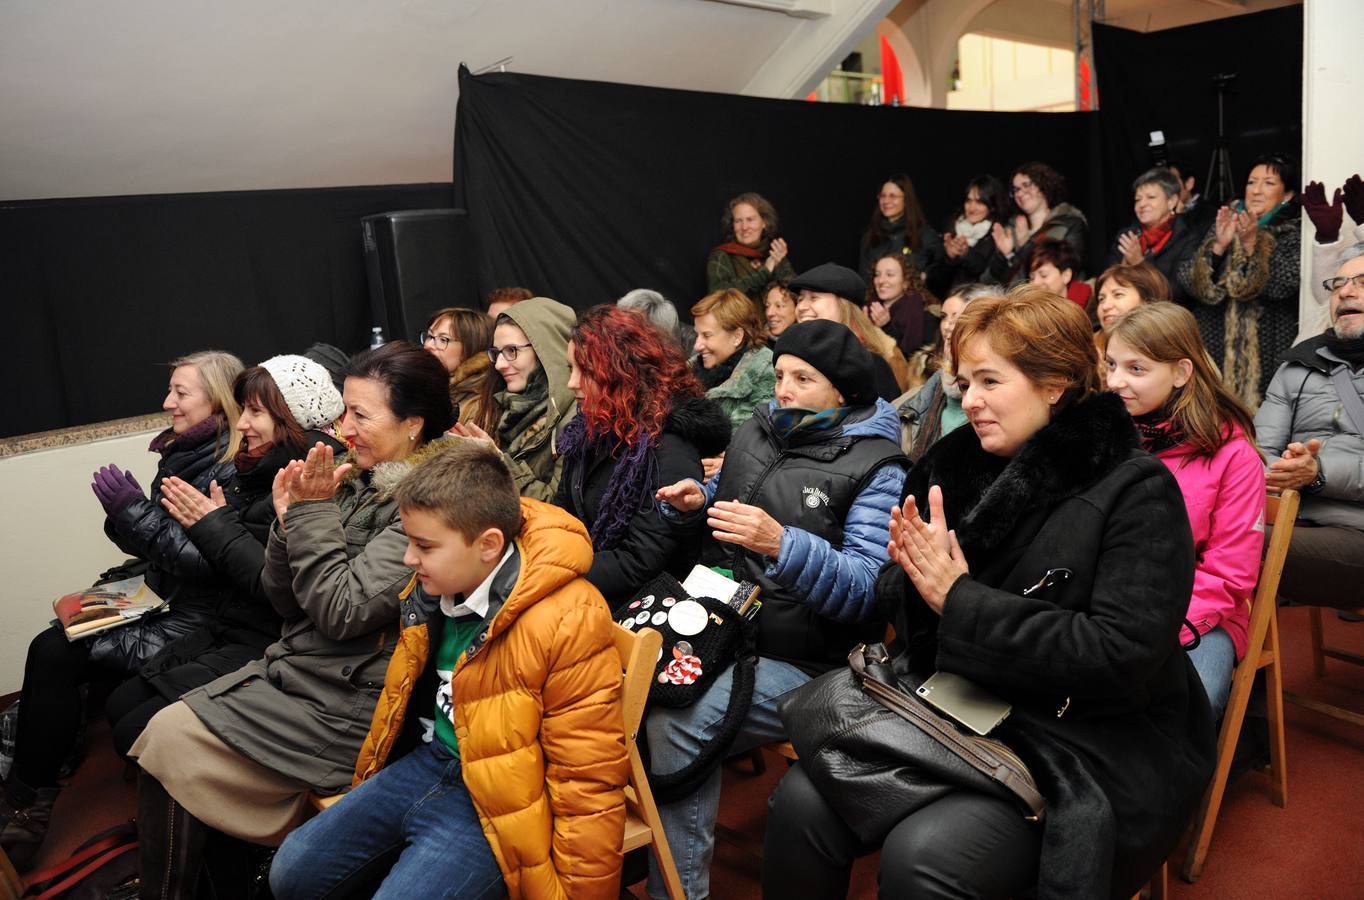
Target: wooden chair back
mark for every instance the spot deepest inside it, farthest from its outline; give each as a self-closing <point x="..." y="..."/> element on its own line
<point x="1262" y="653"/>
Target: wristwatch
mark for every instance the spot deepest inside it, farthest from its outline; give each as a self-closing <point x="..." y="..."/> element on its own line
<point x="1317" y="483"/>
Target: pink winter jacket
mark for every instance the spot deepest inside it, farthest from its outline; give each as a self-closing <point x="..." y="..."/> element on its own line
<point x="1225" y="497"/>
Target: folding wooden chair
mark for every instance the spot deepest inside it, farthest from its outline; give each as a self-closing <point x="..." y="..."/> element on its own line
<point x="1262" y="653"/>
<point x="638" y="654"/>
<point x="1320" y="651"/>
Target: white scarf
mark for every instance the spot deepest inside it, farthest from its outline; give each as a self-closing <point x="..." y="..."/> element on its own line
<point x="975" y="232"/>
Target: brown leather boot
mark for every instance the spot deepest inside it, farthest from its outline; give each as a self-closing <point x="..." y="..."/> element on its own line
<point x="170" y="843"/>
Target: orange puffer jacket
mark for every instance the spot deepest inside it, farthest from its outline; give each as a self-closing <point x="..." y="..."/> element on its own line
<point x="538" y="717"/>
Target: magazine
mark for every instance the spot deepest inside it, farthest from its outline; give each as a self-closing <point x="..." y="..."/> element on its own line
<point x="105" y="606"/>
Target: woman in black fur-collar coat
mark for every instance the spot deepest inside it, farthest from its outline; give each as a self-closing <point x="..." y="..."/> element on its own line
<point x="1061" y="588"/>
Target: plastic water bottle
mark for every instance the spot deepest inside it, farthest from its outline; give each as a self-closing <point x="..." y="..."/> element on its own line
<point x="376" y="337"/>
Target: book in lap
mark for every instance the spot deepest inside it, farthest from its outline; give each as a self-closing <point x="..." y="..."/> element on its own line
<point x="104" y="606"/>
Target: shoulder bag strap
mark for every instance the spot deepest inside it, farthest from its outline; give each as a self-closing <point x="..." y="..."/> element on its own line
<point x="1349" y="397"/>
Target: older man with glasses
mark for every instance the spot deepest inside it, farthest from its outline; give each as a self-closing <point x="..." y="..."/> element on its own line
<point x="1310" y="430"/>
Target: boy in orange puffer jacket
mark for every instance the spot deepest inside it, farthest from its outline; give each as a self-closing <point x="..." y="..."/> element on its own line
<point x="509" y="772"/>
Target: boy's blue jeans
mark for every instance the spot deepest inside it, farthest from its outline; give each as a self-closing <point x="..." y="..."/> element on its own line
<point x="414" y="815"/>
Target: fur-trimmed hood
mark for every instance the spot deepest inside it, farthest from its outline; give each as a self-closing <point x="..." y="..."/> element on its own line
<point x="702" y="423"/>
<point x="986" y="495"/>
<point x="386" y="476"/>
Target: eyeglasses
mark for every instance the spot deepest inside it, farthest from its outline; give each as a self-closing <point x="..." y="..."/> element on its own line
<point x="440" y="340"/>
<point x="1334" y="284"/>
<point x="510" y="351"/>
<point x="1022" y="188"/>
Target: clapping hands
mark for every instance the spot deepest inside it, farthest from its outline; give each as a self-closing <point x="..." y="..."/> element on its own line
<point x="315" y="478"/>
<point x="115" y="489"/>
<point x="927" y="551"/>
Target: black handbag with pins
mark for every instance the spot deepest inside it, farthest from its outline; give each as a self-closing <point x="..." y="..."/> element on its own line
<point x="702" y="636"/>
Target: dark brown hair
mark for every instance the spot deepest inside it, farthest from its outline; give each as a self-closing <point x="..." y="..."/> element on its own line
<point x="256" y="385"/>
<point x="415" y="381"/>
<point x="468" y="486"/>
<point x="1056" y="251"/>
<point x="914" y="215"/>
<point x="1050" y="182"/>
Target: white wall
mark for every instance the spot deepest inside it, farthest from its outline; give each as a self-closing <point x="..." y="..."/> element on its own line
<point x="1333" y="142"/>
<point x="168" y="96"/>
<point x="52" y="535"/>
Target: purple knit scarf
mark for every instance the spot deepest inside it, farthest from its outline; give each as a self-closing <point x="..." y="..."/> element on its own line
<point x="634" y="473"/>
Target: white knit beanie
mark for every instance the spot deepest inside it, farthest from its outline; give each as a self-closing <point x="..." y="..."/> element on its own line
<point x="307" y="388"/>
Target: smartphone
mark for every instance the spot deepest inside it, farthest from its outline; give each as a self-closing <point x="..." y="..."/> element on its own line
<point x="964" y="702"/>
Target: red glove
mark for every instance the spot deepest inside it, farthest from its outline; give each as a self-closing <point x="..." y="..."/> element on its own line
<point x="1354" y="198"/>
<point x="1325" y="216"/>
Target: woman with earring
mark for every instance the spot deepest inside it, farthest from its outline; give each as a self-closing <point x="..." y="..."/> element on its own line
<point x="1206" y="437"/>
<point x="243" y="753"/>
<point x="1043" y="556"/>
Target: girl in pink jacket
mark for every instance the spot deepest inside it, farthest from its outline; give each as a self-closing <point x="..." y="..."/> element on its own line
<point x="1157" y="364"/>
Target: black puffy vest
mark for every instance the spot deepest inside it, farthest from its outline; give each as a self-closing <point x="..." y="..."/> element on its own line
<point x="809" y="484"/>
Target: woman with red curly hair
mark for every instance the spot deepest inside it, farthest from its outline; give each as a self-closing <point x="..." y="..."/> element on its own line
<point x="643" y="421"/>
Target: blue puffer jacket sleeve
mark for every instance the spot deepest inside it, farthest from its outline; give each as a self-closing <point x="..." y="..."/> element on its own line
<point x="840" y="584"/>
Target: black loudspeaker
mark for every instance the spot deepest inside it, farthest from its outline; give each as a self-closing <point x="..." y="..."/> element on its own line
<point x="412" y="258"/>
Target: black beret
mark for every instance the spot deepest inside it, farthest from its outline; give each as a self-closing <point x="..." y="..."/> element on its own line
<point x="835" y="352"/>
<point x="832" y="278"/>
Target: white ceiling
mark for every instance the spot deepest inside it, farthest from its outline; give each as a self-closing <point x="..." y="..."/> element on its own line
<point x="164" y="96"/>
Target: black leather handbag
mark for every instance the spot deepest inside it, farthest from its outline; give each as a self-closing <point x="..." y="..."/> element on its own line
<point x="877" y="753"/>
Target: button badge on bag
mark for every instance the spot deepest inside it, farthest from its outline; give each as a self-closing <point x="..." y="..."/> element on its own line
<point x="688" y="618"/>
<point x="684" y="668"/>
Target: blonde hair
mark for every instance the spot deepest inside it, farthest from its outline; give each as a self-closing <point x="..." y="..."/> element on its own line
<point x="1047" y="337"/>
<point x="733" y="311"/>
<point x="1204" y="409"/>
<point x="218" y="371"/>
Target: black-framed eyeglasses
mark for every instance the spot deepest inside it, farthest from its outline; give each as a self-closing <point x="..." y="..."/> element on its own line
<point x="1334" y="284"/>
<point x="510" y="351"/>
<point x="440" y="340"/>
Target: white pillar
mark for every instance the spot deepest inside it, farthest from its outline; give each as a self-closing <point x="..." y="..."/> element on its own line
<point x="1333" y="142"/>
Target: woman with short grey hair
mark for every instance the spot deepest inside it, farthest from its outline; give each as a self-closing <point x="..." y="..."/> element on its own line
<point x="1159" y="235"/>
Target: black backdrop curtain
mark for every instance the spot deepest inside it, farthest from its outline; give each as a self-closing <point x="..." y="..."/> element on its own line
<point x="100" y="293"/>
<point x="584" y="190"/>
<point x="1162" y="81"/>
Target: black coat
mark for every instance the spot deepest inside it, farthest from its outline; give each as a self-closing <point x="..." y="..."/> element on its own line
<point x="696" y="428"/>
<point x="175" y="569"/>
<point x="1183" y="242"/>
<point x="1108" y="712"/>
<point x="233" y="540"/>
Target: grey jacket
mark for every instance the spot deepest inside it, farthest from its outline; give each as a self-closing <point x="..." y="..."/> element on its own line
<point x="1302" y="404"/>
<point x="334" y="574"/>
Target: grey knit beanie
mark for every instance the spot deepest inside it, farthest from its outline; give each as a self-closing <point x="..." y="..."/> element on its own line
<point x="307" y="388"/>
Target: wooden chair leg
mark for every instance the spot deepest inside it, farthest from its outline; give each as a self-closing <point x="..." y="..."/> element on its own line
<point x="759" y="761"/>
<point x="1278" y="758"/>
<point x="658" y="843"/>
<point x="1318" y="658"/>
<point x="1160" y="884"/>
<point x="1241" y="684"/>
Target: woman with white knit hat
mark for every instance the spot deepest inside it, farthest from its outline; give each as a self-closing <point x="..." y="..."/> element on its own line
<point x="288" y="405"/>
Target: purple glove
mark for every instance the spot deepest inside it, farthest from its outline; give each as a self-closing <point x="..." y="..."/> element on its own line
<point x="116" y="489"/>
<point x="1354" y="198"/>
<point x="1325" y="216"/>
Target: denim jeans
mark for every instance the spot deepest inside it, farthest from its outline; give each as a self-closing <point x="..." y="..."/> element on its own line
<point x="1215" y="658"/>
<point x="676" y="737"/>
<point x="416" y="815"/>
